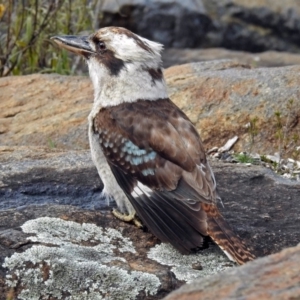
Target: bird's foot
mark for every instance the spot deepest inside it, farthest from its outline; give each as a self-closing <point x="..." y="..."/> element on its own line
<point x="128" y="218"/>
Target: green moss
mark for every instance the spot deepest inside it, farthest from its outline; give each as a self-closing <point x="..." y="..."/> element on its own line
<point x="243" y="158"/>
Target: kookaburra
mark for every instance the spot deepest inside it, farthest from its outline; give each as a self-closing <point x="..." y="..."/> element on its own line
<point x="147" y="152"/>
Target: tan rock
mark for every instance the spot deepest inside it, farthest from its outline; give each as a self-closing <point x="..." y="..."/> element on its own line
<point x="220" y="97"/>
<point x="272" y="277"/>
<point x="45" y="110"/>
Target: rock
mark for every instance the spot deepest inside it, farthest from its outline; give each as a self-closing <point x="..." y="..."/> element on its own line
<point x="40" y="176"/>
<point x="288" y="168"/>
<point x="71" y="251"/>
<point x="45" y="110"/>
<point x="53" y="221"/>
<point x="254" y="26"/>
<point x="274" y="158"/>
<point x="173" y="56"/>
<point x="180" y="19"/>
<point x="43" y="237"/>
<point x="72" y="248"/>
<point x="220" y="97"/>
<point x="228" y="144"/>
<point x="212" y="150"/>
<point x="272" y="277"/>
<point x="256" y="191"/>
<point x="36" y="185"/>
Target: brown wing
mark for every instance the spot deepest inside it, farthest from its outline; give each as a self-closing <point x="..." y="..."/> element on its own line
<point x="155" y="138"/>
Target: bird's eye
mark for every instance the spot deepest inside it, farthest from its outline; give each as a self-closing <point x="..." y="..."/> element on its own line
<point x="101" y="46"/>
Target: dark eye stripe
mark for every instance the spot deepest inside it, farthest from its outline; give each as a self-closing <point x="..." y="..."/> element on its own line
<point x="95" y="39"/>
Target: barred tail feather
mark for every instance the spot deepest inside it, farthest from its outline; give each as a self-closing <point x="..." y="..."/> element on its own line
<point x="221" y="233"/>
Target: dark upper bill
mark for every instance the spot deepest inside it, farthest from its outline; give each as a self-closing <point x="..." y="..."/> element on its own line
<point x="75" y="44"/>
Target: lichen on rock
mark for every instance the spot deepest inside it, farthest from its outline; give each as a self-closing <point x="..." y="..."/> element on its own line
<point x="75" y="261"/>
<point x="183" y="266"/>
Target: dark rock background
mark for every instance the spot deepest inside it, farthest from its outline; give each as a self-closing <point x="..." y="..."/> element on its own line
<point x="249" y="26"/>
<point x="253" y="26"/>
<point x="176" y="24"/>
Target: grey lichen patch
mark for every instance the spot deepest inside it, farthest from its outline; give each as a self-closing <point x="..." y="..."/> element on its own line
<point x="66" y="269"/>
<point x="211" y="260"/>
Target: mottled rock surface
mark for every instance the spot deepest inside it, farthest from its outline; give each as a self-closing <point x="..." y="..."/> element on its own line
<point x="53" y="220"/>
<point x="273" y="277"/>
<point x="53" y="198"/>
<point x="220" y="97"/>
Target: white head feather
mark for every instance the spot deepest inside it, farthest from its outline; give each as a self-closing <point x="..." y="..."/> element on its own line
<point x="133" y="80"/>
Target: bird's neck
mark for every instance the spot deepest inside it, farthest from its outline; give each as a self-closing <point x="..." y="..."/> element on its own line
<point x="132" y="83"/>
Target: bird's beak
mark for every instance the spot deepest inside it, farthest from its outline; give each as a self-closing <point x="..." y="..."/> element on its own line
<point x="76" y="44"/>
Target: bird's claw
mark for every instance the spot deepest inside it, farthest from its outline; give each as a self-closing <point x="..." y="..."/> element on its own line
<point x="128" y="218"/>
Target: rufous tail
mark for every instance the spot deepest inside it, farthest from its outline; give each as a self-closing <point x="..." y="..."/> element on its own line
<point x="221" y="233"/>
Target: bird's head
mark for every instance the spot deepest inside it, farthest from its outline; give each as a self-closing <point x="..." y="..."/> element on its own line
<point x="122" y="65"/>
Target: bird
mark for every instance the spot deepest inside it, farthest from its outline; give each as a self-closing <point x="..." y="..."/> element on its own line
<point x="148" y="153"/>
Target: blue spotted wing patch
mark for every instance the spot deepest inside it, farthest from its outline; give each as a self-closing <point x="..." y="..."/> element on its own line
<point x="137" y="156"/>
<point x="128" y="157"/>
